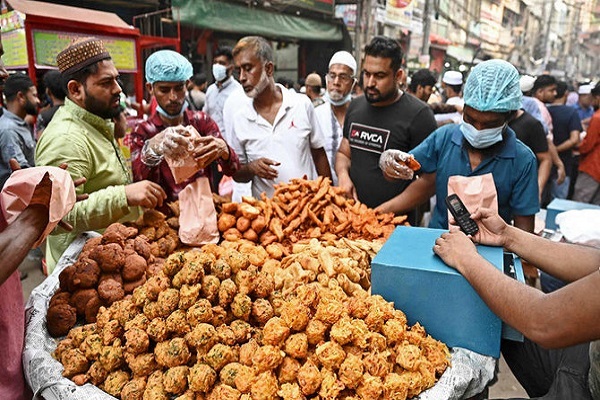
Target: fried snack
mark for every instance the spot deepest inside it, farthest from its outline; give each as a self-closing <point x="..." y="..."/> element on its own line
<point x="201" y="378"/>
<point x="275" y="332"/>
<point x="175" y="379"/>
<point x="200" y="312"/>
<point x="65" y="279"/>
<point x="220" y="355"/>
<point x="86" y="273"/>
<point x="297" y="345"/>
<point x="59" y="297"/>
<point x="110" y="291"/>
<point x="91" y="346"/>
<point x="129" y="287"/>
<point x="288" y="370"/>
<point x="111" y="357"/>
<point x="310" y="378"/>
<point x="157" y="330"/>
<point x="229" y="372"/>
<point x="330" y="354"/>
<point x="136" y="341"/>
<point x="331" y="386"/>
<point x="315" y="331"/>
<point x="221" y="269"/>
<point x="227" y="292"/>
<point x="141" y="365"/>
<point x="329" y="310"/>
<point x="134" y="267"/>
<point x="155" y="389"/>
<point x="203" y="337"/>
<point x="114" y="383"/>
<point x="223" y="392"/>
<point x="264" y="285"/>
<point x="226" y="221"/>
<point x="210" y="288"/>
<point x="134" y="389"/>
<point x="97" y="373"/>
<point x="118" y="233"/>
<point x="295" y="315"/>
<point x="247" y="350"/>
<point x="267" y="358"/>
<point x="242" y="331"/>
<point x="264" y="387"/>
<point x="262" y="311"/>
<point x="378" y="363"/>
<point x="290" y="391"/>
<point x="226" y="335"/>
<point x="74" y="362"/>
<point x="351" y="371"/>
<point x="60" y="318"/>
<point x="80" y="299"/>
<point x="371" y="387"/>
<point x="245" y="281"/>
<point x="188" y="295"/>
<point x="110" y="257"/>
<point x="140" y="321"/>
<point x="177" y="323"/>
<point x="155" y="285"/>
<point x="241" y="306"/>
<point x="172" y="353"/>
<point x="167" y="302"/>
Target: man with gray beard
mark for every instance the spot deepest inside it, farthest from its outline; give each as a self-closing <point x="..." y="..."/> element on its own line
<point x="273" y="132"/>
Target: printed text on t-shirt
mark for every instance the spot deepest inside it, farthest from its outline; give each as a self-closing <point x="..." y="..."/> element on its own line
<point x="368" y="138"/>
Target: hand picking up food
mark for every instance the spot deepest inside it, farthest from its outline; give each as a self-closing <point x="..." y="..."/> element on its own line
<point x="396" y="164"/>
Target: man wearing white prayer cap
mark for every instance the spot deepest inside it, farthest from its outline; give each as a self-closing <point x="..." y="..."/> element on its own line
<point x="340" y="81"/>
<point x="584" y="105"/>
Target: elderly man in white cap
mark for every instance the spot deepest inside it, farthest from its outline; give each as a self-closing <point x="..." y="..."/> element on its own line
<point x="584" y="106"/>
<point x="340" y="80"/>
<point x="167" y="73"/>
<point x="452" y="82"/>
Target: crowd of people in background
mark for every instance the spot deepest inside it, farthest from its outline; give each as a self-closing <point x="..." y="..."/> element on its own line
<point x="533" y="139"/>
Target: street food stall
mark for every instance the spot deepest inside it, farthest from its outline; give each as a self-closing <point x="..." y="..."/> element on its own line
<point x="34" y="32"/>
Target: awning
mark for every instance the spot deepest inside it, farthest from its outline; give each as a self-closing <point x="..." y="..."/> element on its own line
<point x="462" y="54"/>
<point x="228" y="17"/>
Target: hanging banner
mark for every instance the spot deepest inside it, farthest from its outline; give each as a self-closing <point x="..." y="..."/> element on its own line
<point x="399" y="12"/>
<point x="47" y="44"/>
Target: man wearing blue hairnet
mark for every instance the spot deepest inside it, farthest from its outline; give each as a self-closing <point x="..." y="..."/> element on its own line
<point x="167" y="73"/>
<point x="481" y="144"/>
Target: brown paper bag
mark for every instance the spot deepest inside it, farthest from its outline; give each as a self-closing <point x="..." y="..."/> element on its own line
<point x="198" y="218"/>
<point x="474" y="191"/>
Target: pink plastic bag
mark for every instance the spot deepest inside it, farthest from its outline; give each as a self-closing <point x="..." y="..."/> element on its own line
<point x="18" y="190"/>
<point x="474" y="191"/>
<point x="197" y="218"/>
<point x="184" y="166"/>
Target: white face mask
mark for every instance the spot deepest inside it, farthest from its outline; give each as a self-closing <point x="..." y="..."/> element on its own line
<point x="219" y="72"/>
<point x="481" y="139"/>
<point x="337" y="99"/>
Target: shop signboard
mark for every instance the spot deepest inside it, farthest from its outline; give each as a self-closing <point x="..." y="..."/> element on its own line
<point x="15" y="49"/>
<point x="399" y="12"/>
<point x="12" y="20"/>
<point x="47" y="44"/>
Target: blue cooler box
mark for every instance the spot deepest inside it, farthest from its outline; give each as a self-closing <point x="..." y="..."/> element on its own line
<point x="407" y="272"/>
<point x="557" y="206"/>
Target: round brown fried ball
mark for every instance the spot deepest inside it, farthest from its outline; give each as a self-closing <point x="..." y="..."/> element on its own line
<point x="110" y="291"/>
<point x="134" y="389"/>
<point x="59" y="297"/>
<point x="134" y="267"/>
<point x="129" y="287"/>
<point x="172" y="353"/>
<point x="202" y="378"/>
<point x="60" y="319"/>
<point x="80" y="299"/>
<point x="65" y="279"/>
<point x="262" y="311"/>
<point x="175" y="379"/>
<point x="74" y="362"/>
<point x="92" y="308"/>
<point x="110" y="257"/>
<point x="136" y="341"/>
<point x="114" y="383"/>
<point x="86" y="274"/>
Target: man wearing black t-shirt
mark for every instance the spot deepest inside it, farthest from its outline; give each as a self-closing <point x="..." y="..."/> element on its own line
<point x="384" y="118"/>
<point x="531" y="132"/>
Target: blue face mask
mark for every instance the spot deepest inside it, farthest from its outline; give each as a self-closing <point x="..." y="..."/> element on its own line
<point x="481" y="139"/>
<point x="340" y="102"/>
<point x="165" y="114"/>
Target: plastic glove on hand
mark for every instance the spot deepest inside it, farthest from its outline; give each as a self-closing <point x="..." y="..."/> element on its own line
<point x="176" y="142"/>
<point x="395" y="164"/>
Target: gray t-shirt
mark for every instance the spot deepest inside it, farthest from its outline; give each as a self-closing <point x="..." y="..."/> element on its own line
<point x="594" y="375"/>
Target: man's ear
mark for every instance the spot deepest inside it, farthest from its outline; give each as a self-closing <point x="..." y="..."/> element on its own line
<point x="75" y="90"/>
<point x="269" y="68"/>
<point x="399" y="76"/>
<point x="22" y="97"/>
<point x="149" y="88"/>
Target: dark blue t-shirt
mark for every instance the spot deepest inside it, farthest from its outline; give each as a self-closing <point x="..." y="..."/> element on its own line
<point x="565" y="119"/>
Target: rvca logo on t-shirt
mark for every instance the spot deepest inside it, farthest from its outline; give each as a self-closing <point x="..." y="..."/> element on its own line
<point x="368" y="138"/>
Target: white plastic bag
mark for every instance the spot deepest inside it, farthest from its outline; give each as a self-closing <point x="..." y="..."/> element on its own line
<point x="580" y="226"/>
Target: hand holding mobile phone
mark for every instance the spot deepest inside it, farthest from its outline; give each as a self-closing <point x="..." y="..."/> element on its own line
<point x="461" y="215"/>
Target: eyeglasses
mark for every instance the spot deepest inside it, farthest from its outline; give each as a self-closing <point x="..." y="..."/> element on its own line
<point x="343" y="77"/>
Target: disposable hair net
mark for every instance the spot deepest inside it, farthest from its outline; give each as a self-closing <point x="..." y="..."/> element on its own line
<point x="168" y="66"/>
<point x="494" y="86"/>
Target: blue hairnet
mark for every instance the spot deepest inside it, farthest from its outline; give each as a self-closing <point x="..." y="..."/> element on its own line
<point x="493" y="85"/>
<point x="168" y="66"/>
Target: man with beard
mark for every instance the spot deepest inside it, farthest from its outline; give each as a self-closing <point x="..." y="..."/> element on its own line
<point x="167" y="73"/>
<point x="482" y="144"/>
<point x="340" y="80"/>
<point x="384" y="118"/>
<point x="274" y="130"/>
<point x="16" y="138"/>
<point x="81" y="134"/>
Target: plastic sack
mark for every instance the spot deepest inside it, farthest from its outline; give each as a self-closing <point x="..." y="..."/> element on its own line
<point x="197" y="218"/>
<point x="474" y="191"/>
<point x="580" y="226"/>
<point x="41" y="370"/>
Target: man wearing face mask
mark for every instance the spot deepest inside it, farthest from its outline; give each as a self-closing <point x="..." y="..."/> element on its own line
<point x="167" y="73"/>
<point x="222" y="88"/>
<point x="340" y="80"/>
<point x="274" y="130"/>
<point x="481" y="144"/>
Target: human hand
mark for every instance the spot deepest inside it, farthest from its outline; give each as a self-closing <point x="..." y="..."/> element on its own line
<point x="393" y="164"/>
<point x="263" y="168"/>
<point x="145" y="194"/>
<point x="44" y="188"/>
<point x="208" y="149"/>
<point x="176" y="142"/>
<point x="454" y="248"/>
<point x="492" y="228"/>
<point x="347" y="186"/>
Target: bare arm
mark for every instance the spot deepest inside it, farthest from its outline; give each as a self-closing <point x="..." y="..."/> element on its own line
<point x="16" y="240"/>
<point x="570" y="143"/>
<point x="321" y="163"/>
<point x="544" y="168"/>
<point x="416" y="193"/>
<point x="525" y="222"/>
<point x="560" y="167"/>
<point x="559" y="319"/>
<point x="261" y="167"/>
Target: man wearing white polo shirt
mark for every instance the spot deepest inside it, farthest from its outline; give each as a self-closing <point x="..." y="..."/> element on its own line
<point x="274" y="133"/>
<point x="452" y="82"/>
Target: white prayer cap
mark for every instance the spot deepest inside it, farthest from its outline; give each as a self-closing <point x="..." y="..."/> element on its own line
<point x="585" y="89"/>
<point x="344" y="58"/>
<point x="453" y="78"/>
<point x="526" y="83"/>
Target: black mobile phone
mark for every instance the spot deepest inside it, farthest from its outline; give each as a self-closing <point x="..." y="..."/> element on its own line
<point x="461" y="215"/>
